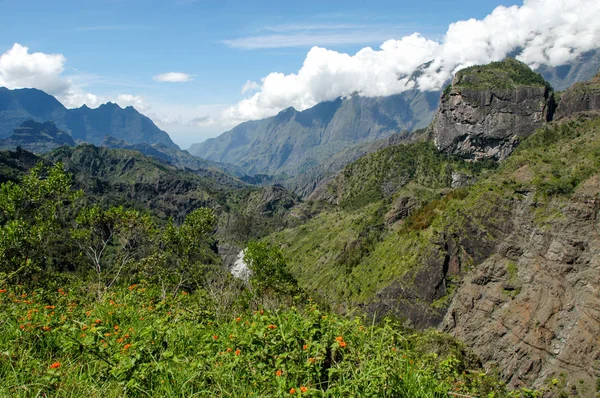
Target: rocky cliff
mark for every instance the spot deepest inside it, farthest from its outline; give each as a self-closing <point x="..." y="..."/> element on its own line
<point x="582" y="96"/>
<point x="487" y="109"/>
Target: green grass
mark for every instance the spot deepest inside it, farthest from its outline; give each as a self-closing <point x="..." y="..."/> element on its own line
<point x="64" y="344"/>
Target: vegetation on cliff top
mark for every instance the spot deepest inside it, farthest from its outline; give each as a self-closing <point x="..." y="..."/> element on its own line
<point x="502" y="75"/>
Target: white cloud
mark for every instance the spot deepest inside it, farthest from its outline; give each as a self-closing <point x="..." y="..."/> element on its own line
<point x="203" y="121"/>
<point x="137" y="101"/>
<point x="19" y="68"/>
<point x="551" y="32"/>
<point x="173" y="77"/>
<point x="250" y="86"/>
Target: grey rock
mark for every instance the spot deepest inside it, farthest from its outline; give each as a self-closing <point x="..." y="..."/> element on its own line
<point x="581" y="97"/>
<point x="488" y="124"/>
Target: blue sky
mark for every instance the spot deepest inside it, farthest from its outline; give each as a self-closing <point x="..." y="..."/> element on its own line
<point x="116" y="47"/>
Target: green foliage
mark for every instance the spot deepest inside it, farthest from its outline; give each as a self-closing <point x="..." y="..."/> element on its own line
<point x="269" y="269"/>
<point x="61" y="343"/>
<point x="383" y="173"/>
<point x="505" y="74"/>
<point x="29" y="215"/>
<point x="119" y="234"/>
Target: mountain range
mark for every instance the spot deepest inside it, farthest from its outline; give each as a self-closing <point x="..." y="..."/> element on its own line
<point x="295" y="143"/>
<point x="83" y="124"/>
<point x="292" y="142"/>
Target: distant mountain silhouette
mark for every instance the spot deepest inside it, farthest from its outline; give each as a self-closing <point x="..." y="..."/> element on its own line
<point x="83" y="124"/>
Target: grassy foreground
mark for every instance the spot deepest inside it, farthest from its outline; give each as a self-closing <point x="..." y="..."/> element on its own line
<point x="53" y="343"/>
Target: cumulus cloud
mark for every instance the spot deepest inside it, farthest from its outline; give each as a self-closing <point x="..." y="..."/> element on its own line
<point x="551" y="32"/>
<point x="173" y="77"/>
<point x="250" y="86"/>
<point x="19" y="68"/>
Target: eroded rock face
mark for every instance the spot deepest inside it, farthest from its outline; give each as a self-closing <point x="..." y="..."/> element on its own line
<point x="532" y="310"/>
<point x="581" y="97"/>
<point x="488" y="124"/>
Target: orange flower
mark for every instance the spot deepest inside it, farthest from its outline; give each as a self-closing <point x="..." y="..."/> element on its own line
<point x="238" y="351"/>
<point x="339" y="339"/>
<point x="84" y="327"/>
<point x="215" y="337"/>
<point x="229" y="349"/>
<point x="106" y="334"/>
<point x="184" y="293"/>
<point x="120" y="340"/>
<point x="55" y="365"/>
<point x="98" y="321"/>
<point x="305" y="347"/>
<point x="271" y="327"/>
<point x="46" y="328"/>
<point x="343" y="344"/>
<point x="303" y="389"/>
<point x="50" y="307"/>
<point x="292" y="390"/>
<point x="132" y="286"/>
<point x="2" y="290"/>
<point x="116" y="327"/>
<point x="311" y="360"/>
<point x="238" y="319"/>
<point x="279" y="373"/>
<point x="127" y="346"/>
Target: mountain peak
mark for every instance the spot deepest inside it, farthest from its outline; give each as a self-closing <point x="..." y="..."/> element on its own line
<point x="83" y="123"/>
<point x="111" y="105"/>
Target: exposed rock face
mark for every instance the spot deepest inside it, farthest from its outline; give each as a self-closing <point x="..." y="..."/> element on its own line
<point x="532" y="310"/>
<point x="489" y="108"/>
<point x="581" y="97"/>
<point x="37" y="137"/>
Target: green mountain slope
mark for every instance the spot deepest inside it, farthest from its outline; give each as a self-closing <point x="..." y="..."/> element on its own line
<point x="114" y="177"/>
<point x="491" y="252"/>
<point x="293" y="142"/>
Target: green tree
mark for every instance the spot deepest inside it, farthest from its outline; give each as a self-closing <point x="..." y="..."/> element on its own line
<point x="186" y="248"/>
<point x="111" y="239"/>
<point x="269" y="270"/>
<point x="29" y="214"/>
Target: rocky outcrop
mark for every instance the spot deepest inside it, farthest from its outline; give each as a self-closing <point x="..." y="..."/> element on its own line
<point x="581" y="97"/>
<point x="531" y="311"/>
<point x="488" y="109"/>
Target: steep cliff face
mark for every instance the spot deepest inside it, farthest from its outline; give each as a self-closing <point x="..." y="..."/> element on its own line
<point x="532" y="309"/>
<point x="488" y="109"/>
<point x="583" y="96"/>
